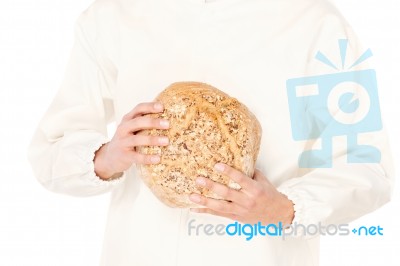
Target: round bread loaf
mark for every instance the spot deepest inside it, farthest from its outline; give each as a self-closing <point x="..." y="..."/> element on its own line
<point x="206" y="127"/>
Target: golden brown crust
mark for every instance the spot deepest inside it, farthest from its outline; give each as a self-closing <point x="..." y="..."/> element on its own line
<point x="207" y="126"/>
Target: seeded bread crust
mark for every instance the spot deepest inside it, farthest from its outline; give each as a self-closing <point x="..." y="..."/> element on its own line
<point x="206" y="126"/>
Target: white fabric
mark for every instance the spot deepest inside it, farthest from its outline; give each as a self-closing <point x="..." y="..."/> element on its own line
<point x="126" y="52"/>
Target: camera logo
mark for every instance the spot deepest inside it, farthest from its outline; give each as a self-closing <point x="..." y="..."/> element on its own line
<point x="340" y="104"/>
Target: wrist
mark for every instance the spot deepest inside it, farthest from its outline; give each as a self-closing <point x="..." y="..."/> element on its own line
<point x="288" y="210"/>
<point x="101" y="168"/>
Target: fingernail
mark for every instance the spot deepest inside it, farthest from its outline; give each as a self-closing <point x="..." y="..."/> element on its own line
<point x="195" y="198"/>
<point x="163" y="140"/>
<point x="164" y="123"/>
<point x="158" y="106"/>
<point x="219" y="167"/>
<point x="201" y="181"/>
<point x="155" y="159"/>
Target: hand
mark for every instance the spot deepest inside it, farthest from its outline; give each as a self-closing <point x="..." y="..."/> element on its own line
<point x="119" y="154"/>
<point x="257" y="200"/>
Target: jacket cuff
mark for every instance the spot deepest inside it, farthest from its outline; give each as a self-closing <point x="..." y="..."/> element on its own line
<point x="93" y="147"/>
<point x="298" y="203"/>
<point x="301" y="221"/>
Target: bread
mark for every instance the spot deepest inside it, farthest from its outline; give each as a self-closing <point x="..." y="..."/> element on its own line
<point x="206" y="126"/>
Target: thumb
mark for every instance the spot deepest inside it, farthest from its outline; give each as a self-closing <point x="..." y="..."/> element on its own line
<point x="260" y="177"/>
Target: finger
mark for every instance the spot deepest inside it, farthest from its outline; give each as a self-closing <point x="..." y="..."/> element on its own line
<point x="209" y="211"/>
<point x="142" y="122"/>
<point x="140" y="158"/>
<point x="217" y="205"/>
<point x="143" y="108"/>
<point x="224" y="191"/>
<point x="244" y="181"/>
<point x="143" y="140"/>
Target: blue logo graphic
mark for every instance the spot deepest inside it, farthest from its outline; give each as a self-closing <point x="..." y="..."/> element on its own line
<point x="340" y="104"/>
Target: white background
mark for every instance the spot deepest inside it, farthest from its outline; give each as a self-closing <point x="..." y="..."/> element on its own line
<point x="42" y="228"/>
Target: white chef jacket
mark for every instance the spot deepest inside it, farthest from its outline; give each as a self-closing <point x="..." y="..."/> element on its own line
<point x="127" y="51"/>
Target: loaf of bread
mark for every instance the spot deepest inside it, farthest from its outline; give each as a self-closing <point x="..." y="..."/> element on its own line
<point x="206" y="127"/>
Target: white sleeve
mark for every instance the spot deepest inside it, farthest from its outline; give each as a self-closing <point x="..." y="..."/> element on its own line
<point x="344" y="191"/>
<point x="75" y="125"/>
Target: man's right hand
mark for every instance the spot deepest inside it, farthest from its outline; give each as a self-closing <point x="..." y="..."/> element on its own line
<point x="119" y="154"/>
